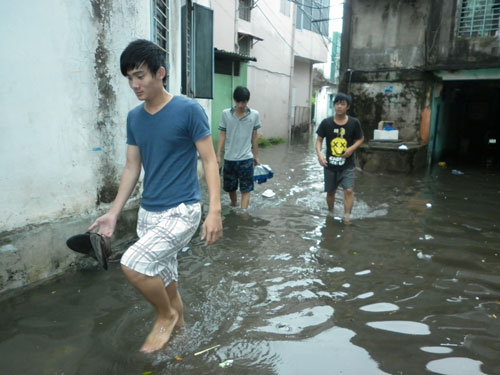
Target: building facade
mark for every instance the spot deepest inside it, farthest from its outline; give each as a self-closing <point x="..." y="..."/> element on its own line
<point x="284" y="39"/>
<point x="431" y="67"/>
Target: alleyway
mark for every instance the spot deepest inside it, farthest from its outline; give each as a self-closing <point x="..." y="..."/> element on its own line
<point x="411" y="287"/>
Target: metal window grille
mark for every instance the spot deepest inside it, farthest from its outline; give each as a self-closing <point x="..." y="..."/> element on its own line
<point x="161" y="28"/>
<point x="245" y="9"/>
<point x="479" y="18"/>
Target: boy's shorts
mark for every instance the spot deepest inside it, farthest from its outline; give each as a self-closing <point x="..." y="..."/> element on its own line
<point x="334" y="179"/>
<point x="238" y="171"/>
<point x="161" y="236"/>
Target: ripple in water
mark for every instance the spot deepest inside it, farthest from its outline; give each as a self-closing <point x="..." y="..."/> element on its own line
<point x="297" y="322"/>
<point x="455" y="366"/>
<point x="380" y="307"/>
<point x="402" y="326"/>
<point x="436" y="349"/>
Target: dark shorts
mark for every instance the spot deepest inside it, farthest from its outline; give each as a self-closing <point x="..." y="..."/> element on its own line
<point x="238" y="171"/>
<point x="334" y="179"/>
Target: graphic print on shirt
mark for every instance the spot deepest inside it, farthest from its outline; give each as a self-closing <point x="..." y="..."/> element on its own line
<point x="338" y="145"/>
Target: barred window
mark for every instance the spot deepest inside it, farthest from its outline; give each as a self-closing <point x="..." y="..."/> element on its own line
<point x="479" y="18"/>
<point x="245" y="9"/>
<point x="161" y="28"/>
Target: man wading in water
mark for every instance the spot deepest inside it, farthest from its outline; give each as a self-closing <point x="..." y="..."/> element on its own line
<point x="164" y="135"/>
<point x="343" y="136"/>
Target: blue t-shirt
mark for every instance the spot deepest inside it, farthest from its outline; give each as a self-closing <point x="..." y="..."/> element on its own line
<point x="166" y="142"/>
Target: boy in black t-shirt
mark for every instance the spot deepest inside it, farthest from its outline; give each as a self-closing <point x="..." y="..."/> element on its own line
<point x="343" y="136"/>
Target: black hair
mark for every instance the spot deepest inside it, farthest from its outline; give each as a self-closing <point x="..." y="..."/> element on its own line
<point x="142" y="52"/>
<point x="241" y="94"/>
<point x="341" y="96"/>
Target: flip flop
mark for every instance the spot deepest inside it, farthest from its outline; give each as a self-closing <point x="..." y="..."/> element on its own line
<point x="91" y="244"/>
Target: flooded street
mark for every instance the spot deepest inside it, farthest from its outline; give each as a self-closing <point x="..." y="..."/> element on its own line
<point x="412" y="286"/>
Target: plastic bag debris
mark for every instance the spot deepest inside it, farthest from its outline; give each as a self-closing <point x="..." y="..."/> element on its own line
<point x="268" y="193"/>
<point x="403" y="147"/>
<point x="262" y="172"/>
<point x="457" y="172"/>
<point x="227" y="363"/>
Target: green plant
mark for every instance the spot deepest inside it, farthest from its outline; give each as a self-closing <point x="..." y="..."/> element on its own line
<point x="264" y="142"/>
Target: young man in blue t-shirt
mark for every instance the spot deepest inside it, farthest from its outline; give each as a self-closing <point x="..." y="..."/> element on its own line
<point x="238" y="132"/>
<point x="164" y="135"/>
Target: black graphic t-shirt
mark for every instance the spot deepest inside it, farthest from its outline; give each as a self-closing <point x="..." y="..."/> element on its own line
<point x="338" y="139"/>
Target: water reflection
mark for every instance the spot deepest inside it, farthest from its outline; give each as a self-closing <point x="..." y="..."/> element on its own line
<point x="291" y="290"/>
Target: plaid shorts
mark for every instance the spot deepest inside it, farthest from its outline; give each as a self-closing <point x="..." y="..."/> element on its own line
<point x="161" y="236"/>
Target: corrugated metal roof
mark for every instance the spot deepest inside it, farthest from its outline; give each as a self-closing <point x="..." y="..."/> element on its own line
<point x="232" y="55"/>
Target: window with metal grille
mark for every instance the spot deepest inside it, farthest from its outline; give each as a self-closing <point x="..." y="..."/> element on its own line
<point x="245" y="9"/>
<point x="479" y="18"/>
<point x="161" y="29"/>
<point x="197" y="51"/>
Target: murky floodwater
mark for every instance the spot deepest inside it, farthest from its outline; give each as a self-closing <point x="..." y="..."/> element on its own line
<point x="411" y="287"/>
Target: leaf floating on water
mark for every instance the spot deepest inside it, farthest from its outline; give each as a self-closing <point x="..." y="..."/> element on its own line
<point x="54" y="292"/>
<point x="177" y="358"/>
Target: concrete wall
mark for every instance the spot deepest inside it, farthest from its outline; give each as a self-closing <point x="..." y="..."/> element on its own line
<point x="384" y="48"/>
<point x="64" y="105"/>
<point x="388" y="34"/>
<point x="391" y="96"/>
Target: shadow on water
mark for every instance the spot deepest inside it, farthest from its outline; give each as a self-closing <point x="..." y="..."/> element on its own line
<point x="410" y="287"/>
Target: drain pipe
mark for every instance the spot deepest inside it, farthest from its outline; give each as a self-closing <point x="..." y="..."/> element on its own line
<point x="292" y="67"/>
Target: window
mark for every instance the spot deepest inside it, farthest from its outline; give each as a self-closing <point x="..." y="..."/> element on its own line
<point x="244" y="45"/>
<point x="285" y="7"/>
<point x="245" y="9"/>
<point x="313" y="15"/>
<point x="160" y="29"/>
<point x="197" y="51"/>
<point x="479" y="18"/>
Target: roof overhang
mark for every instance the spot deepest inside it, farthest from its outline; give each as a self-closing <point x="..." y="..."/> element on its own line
<point x="245" y="34"/>
<point x="467" y="75"/>
<point x="233" y="56"/>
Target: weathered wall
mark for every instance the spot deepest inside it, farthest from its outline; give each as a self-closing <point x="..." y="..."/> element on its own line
<point x="447" y="50"/>
<point x="388" y="34"/>
<point x="391" y="96"/>
<point x="64" y="105"/>
<point x="385" y="52"/>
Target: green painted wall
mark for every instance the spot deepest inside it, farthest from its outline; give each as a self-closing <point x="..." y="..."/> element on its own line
<point x="224" y="86"/>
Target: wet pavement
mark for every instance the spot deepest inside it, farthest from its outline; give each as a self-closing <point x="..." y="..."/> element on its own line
<point x="412" y="286"/>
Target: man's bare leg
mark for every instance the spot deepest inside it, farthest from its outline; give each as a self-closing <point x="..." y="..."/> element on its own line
<point x="245" y="200"/>
<point x="348" y="203"/>
<point x="176" y="302"/>
<point x="234" y="198"/>
<point x="330" y="201"/>
<point x="154" y="291"/>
